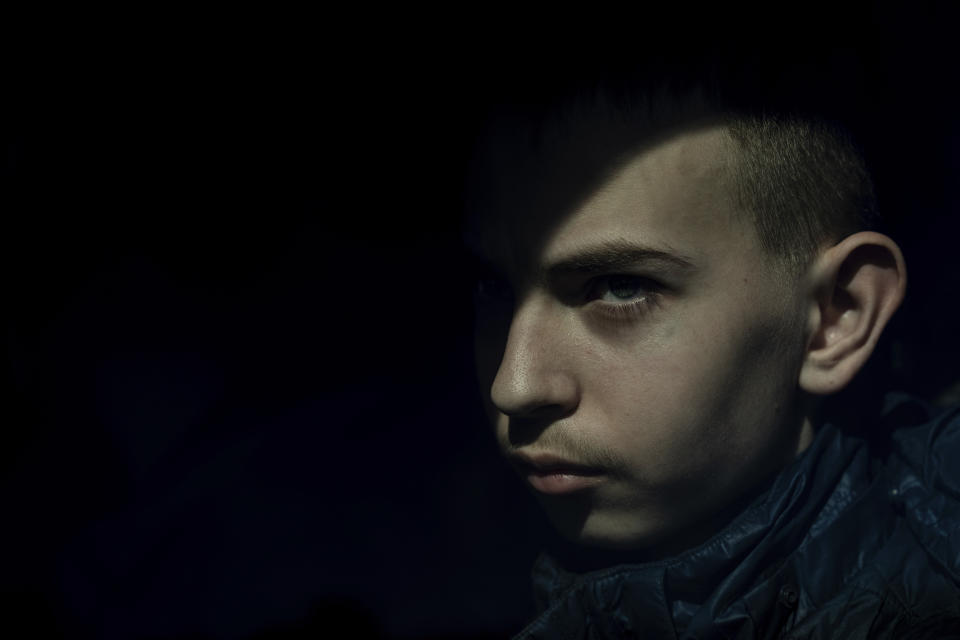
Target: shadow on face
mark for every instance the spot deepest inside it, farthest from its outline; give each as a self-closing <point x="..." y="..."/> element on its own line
<point x="636" y="332"/>
<point x="539" y="166"/>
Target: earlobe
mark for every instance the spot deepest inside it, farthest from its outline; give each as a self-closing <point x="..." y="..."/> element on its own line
<point x="855" y="288"/>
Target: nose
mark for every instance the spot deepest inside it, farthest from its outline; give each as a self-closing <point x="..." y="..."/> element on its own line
<point x="534" y="378"/>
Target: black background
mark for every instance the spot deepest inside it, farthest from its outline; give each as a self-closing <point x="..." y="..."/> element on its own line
<point x="240" y="396"/>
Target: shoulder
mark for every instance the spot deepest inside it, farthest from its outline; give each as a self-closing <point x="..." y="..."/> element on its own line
<point x="923" y="471"/>
<point x="900" y="537"/>
<point x="925" y="442"/>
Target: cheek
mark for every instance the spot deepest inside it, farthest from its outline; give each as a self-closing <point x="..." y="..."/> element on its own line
<point x="485" y="362"/>
<point x="490" y="331"/>
<point x="694" y="393"/>
<point x="486" y="359"/>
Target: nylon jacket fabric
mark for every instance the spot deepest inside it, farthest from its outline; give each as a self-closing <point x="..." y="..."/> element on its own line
<point x="856" y="539"/>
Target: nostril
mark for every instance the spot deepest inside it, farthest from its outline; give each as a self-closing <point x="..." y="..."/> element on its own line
<point x="547" y="398"/>
<point x="527" y="386"/>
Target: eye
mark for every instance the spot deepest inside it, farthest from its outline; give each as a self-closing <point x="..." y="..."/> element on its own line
<point x="489" y="286"/>
<point x="623" y="297"/>
<point x="492" y="293"/>
<point x="488" y="283"/>
<point x="622" y="288"/>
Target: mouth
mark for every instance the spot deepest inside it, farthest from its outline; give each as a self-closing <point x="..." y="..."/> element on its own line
<point x="553" y="475"/>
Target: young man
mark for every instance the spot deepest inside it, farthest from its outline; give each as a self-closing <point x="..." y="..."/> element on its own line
<point x="671" y="286"/>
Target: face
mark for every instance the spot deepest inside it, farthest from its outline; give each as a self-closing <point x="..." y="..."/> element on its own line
<point x="639" y="354"/>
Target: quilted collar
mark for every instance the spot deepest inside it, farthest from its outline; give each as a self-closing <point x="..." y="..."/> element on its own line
<point x="706" y="586"/>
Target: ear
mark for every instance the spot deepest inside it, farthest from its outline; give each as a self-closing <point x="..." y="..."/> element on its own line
<point x="855" y="287"/>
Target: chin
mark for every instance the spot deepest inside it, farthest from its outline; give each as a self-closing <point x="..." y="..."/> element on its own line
<point x="609" y="531"/>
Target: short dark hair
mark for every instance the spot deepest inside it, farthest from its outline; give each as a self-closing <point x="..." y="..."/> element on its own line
<point x="798" y="176"/>
<point x="804" y="181"/>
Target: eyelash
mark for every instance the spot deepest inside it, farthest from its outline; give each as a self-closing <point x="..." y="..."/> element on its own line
<point x="626" y="311"/>
<point x="492" y="291"/>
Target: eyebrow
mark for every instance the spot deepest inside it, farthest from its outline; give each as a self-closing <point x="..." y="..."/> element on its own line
<point x="615" y="254"/>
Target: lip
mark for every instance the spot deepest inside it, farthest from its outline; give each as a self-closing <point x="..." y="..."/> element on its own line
<point x="560" y="483"/>
<point x="554" y="475"/>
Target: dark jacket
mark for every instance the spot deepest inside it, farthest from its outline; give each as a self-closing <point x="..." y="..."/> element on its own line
<point x="855" y="539"/>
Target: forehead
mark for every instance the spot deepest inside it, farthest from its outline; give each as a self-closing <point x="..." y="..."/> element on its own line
<point x="671" y="194"/>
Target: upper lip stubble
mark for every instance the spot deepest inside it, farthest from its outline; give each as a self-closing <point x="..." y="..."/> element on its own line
<point x="548" y="463"/>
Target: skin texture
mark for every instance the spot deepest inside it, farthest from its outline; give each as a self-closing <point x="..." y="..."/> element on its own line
<point x="677" y="385"/>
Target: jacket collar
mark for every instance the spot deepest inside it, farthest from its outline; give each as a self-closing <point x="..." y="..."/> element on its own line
<point x="703" y="584"/>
